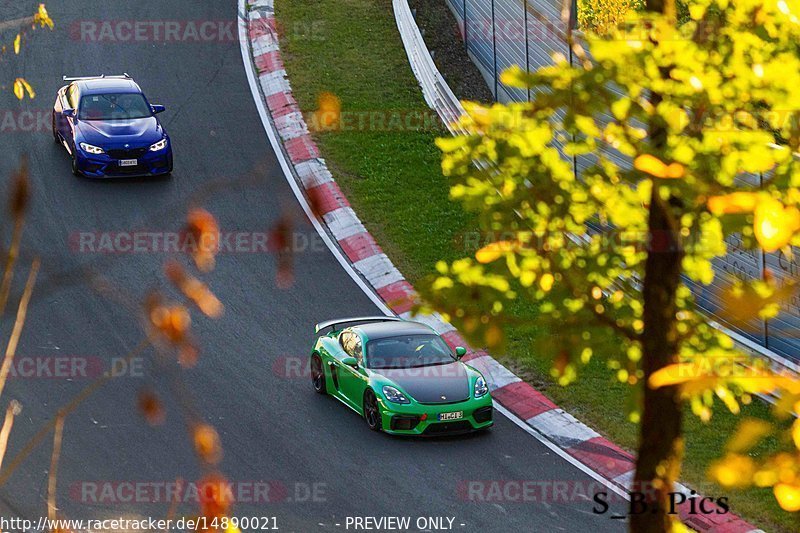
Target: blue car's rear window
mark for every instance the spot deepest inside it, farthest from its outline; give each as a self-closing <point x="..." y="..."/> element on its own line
<point x="112" y="106"/>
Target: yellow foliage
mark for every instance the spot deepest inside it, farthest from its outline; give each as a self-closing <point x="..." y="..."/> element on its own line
<point x="20" y="85"/>
<point x="720" y="78"/>
<point x="601" y="16"/>
<point x="42" y="17"/>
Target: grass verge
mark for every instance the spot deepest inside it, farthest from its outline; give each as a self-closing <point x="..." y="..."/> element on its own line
<point x="351" y="48"/>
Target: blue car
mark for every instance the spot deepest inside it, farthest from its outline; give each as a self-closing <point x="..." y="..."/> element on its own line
<point x="110" y="129"/>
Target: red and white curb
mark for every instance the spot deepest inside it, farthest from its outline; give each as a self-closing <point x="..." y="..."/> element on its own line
<point x="356" y="249"/>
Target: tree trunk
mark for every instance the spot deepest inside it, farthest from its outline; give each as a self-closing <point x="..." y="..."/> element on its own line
<point x="660" y="434"/>
<point x="660" y="443"/>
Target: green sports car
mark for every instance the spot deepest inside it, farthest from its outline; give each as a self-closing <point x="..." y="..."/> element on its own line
<point x="400" y="376"/>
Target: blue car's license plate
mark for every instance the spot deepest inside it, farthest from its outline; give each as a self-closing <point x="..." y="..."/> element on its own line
<point x="128" y="162"/>
<point x="456" y="415"/>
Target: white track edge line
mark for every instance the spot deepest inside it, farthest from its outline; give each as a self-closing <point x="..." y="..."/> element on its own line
<point x="244" y="42"/>
<point x="597" y="476"/>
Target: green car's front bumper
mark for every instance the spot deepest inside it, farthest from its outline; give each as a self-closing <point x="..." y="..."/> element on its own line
<point x="423" y="419"/>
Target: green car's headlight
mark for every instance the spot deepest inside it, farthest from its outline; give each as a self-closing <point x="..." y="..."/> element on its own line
<point x="394" y="395"/>
<point x="481" y="388"/>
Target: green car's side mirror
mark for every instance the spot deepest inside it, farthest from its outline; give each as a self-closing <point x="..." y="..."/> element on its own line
<point x="460" y="352"/>
<point x="350" y="361"/>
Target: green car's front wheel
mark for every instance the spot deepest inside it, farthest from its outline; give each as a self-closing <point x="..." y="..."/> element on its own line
<point x="318" y="375"/>
<point x="372" y="413"/>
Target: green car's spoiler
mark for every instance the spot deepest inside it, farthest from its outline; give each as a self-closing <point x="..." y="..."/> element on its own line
<point x="344" y="321"/>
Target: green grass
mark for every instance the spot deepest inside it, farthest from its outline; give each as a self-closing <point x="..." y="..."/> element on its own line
<point x="394" y="182"/>
<point x="391" y="177"/>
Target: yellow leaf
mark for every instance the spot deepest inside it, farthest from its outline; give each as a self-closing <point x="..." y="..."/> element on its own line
<point x="697" y="11"/>
<point x="492" y="252"/>
<point x="207" y="443"/>
<point x="28" y="88"/>
<point x="527" y="278"/>
<point x="796" y="433"/>
<point x="674" y="375"/>
<point x="774" y="224"/>
<point x="733" y="470"/>
<point x="728" y="399"/>
<point x="19" y="89"/>
<point x="17" y="41"/>
<point x="765" y="478"/>
<point x="493" y="336"/>
<point x="788" y="496"/>
<point x="586" y="125"/>
<point x="546" y="282"/>
<point x="748" y="433"/>
<point x="737" y="202"/>
<point x="652" y="165"/>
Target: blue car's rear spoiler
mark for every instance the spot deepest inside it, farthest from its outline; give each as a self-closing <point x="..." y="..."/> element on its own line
<point x="346" y="321"/>
<point x="124" y="76"/>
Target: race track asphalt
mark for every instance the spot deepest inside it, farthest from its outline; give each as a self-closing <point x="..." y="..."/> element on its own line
<point x="274" y="429"/>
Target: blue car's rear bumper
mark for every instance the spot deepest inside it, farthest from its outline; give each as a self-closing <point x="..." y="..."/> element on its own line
<point x="103" y="165"/>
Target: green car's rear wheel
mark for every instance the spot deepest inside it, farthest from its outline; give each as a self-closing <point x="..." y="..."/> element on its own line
<point x="372" y="413"/>
<point x="318" y="374"/>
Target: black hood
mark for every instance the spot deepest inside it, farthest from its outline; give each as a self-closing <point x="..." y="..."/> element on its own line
<point x="431" y="384"/>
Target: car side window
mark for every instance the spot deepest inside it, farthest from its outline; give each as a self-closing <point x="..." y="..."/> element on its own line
<point x="346" y="340"/>
<point x="351" y="343"/>
<point x="72" y="101"/>
<point x="358" y="352"/>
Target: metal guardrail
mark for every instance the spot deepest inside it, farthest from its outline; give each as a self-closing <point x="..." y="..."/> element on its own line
<point x="437" y="93"/>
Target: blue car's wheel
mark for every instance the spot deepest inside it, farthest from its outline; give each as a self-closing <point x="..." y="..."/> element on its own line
<point x="75" y="170"/>
<point x="53" y="126"/>
<point x="372" y="413"/>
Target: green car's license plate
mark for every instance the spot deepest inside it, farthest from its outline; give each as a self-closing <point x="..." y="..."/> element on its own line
<point x="456" y="415"/>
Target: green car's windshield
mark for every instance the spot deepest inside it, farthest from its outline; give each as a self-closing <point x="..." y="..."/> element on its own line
<point x="125" y="106"/>
<point x="408" y="351"/>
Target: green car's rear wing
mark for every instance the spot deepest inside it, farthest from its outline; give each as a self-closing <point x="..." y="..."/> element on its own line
<point x="339" y="323"/>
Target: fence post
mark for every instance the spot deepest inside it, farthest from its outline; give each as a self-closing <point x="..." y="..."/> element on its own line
<point x="527" y="44"/>
<point x="466" y="25"/>
<point x="764" y="269"/>
<point x="573" y="24"/>
<point x="494" y="51"/>
<point x="573" y="15"/>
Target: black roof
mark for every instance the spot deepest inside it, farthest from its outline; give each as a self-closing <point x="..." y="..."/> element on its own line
<point x="105" y="85"/>
<point x="380" y="330"/>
